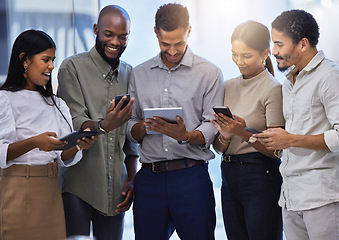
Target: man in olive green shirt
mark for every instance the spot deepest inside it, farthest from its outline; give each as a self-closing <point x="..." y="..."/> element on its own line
<point x="100" y="188"/>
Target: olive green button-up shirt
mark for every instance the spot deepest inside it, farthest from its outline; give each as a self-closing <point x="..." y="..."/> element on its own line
<point x="88" y="84"/>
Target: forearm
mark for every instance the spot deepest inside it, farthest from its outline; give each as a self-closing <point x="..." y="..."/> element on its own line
<point x="220" y="144"/>
<point x="19" y="148"/>
<point x="131" y="166"/>
<point x="315" y="142"/>
<point x="138" y="131"/>
<point x="67" y="154"/>
<point x="196" y="138"/>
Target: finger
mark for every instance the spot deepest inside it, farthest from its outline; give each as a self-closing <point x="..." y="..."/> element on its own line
<point x="111" y="107"/>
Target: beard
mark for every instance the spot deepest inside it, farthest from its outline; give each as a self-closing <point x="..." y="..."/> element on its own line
<point x="281" y="68"/>
<point x="111" y="61"/>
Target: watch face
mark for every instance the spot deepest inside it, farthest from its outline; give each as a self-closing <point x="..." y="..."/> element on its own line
<point x="252" y="139"/>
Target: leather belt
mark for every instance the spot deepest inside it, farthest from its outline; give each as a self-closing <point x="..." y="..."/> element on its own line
<point x="256" y="158"/>
<point x="172" y="165"/>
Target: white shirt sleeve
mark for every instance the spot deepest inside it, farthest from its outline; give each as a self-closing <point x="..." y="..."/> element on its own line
<point x="7" y="130"/>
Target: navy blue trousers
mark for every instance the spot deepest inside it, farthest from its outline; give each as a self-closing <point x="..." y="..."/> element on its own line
<point x="79" y="215"/>
<point x="250" y="192"/>
<point x="181" y="200"/>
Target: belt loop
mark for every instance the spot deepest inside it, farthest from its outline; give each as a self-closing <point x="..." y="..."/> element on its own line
<point x="153" y="166"/>
<point x="27" y="171"/>
<point x="50" y="169"/>
<point x="186" y="162"/>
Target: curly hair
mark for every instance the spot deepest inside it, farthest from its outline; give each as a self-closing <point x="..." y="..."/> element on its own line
<point x="297" y="24"/>
<point x="170" y="17"/>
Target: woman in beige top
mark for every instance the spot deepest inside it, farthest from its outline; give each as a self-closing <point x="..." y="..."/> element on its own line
<point x="250" y="173"/>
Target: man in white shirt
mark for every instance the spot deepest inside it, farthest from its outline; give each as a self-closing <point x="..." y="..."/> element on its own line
<point x="310" y="166"/>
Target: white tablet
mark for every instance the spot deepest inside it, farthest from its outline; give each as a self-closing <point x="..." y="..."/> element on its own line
<point x="168" y="114"/>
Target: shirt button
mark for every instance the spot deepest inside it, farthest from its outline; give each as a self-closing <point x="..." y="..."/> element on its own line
<point x="110" y="157"/>
<point x="166" y="90"/>
<point x="166" y="150"/>
<point x="169" y="71"/>
<point x="104" y="75"/>
<point x="111" y="139"/>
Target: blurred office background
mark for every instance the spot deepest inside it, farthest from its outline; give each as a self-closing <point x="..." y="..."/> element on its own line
<point x="70" y="24"/>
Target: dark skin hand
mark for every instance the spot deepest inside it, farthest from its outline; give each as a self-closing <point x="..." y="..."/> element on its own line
<point x="45" y="142"/>
<point x="228" y="127"/>
<point x="115" y="117"/>
<point x="127" y="190"/>
<point x="176" y="131"/>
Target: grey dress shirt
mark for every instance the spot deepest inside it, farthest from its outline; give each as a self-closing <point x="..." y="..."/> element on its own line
<point x="88" y="85"/>
<point x="195" y="84"/>
<point x="311" y="107"/>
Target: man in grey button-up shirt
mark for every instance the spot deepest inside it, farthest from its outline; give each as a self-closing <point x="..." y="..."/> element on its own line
<point x="100" y="189"/>
<point x="173" y="189"/>
<point x="310" y="166"/>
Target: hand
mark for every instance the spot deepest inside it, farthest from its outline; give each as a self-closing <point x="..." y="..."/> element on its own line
<point x="115" y="117"/>
<point x="47" y="141"/>
<point x="85" y="142"/>
<point x="222" y="132"/>
<point x="127" y="191"/>
<point x="274" y="138"/>
<point x="177" y="131"/>
<point x="231" y="126"/>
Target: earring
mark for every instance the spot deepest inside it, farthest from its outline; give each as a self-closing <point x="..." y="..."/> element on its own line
<point x="25" y="71"/>
<point x="264" y="63"/>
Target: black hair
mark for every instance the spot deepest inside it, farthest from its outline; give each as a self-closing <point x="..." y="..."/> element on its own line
<point x="297" y="24"/>
<point x="171" y="16"/>
<point x="256" y="36"/>
<point x="29" y="42"/>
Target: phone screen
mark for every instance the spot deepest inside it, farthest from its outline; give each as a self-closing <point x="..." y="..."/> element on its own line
<point x="224" y="110"/>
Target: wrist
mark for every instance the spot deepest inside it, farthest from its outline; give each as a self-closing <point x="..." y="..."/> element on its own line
<point x="100" y="126"/>
<point x="187" y="139"/>
<point x="224" y="141"/>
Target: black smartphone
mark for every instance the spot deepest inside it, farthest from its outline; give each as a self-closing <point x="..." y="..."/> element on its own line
<point x="119" y="97"/>
<point x="252" y="130"/>
<point x="224" y="110"/>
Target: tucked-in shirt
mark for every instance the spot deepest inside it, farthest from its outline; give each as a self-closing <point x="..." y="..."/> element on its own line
<point x="258" y="101"/>
<point x="311" y="107"/>
<point x="88" y="84"/>
<point x="194" y="84"/>
<point x="26" y="114"/>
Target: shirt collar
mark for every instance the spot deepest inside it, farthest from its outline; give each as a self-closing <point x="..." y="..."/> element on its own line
<point x="187" y="60"/>
<point x="315" y="61"/>
<point x="103" y="67"/>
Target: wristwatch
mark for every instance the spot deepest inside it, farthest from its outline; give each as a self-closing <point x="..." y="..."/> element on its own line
<point x="252" y="139"/>
<point x="100" y="129"/>
<point x="183" y="142"/>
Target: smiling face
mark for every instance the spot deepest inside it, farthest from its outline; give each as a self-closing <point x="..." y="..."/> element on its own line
<point x="112" y="34"/>
<point x="248" y="60"/>
<point x="284" y="50"/>
<point x="172" y="45"/>
<point x="39" y="69"/>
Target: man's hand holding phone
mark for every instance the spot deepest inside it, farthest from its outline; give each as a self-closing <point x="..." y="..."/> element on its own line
<point x="118" y="113"/>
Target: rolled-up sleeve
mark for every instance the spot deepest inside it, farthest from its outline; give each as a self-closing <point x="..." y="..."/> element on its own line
<point x="7" y="130"/>
<point x="330" y="99"/>
<point x="214" y="96"/>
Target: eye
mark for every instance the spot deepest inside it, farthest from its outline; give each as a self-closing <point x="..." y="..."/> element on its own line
<point x="123" y="38"/>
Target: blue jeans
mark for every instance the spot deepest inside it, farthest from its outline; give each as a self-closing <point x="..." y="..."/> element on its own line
<point x="249" y="194"/>
<point x="181" y="200"/>
<point x="79" y="215"/>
